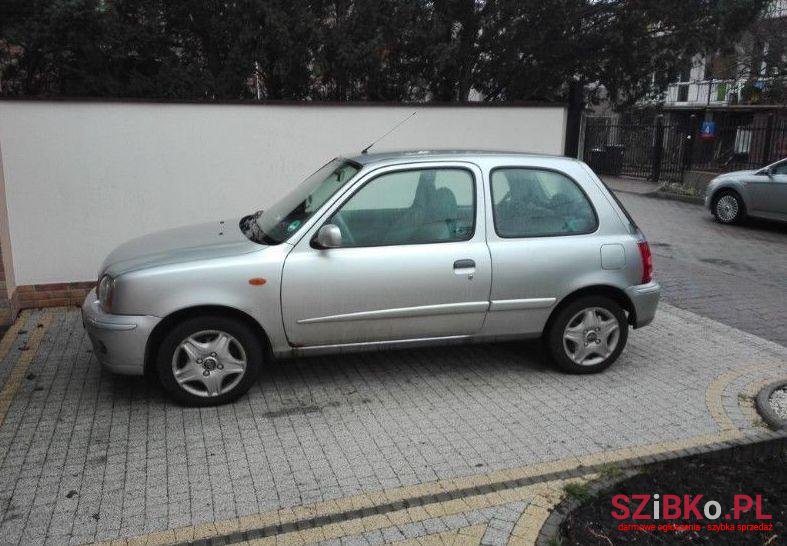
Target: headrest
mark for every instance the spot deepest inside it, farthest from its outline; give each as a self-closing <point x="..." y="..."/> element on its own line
<point x="445" y="204"/>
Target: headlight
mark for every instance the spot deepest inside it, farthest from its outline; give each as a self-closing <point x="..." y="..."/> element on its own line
<point x="106" y="286"/>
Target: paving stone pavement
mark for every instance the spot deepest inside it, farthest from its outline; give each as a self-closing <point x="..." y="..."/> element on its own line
<point x="733" y="274"/>
<point x="87" y="456"/>
<point x="629" y="184"/>
<point x="493" y="526"/>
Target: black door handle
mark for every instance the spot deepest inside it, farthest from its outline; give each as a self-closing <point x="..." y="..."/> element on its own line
<point x="464" y="264"/>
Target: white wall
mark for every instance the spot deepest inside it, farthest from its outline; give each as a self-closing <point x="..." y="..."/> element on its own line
<point x="80" y="178"/>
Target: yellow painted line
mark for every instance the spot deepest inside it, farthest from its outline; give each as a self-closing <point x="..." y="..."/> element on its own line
<point x="713" y="397"/>
<point x="19" y="371"/>
<point x="406" y="516"/>
<point x="370" y="500"/>
<point x="528" y="526"/>
<point x="341" y="529"/>
<point x="747" y="404"/>
<point x="715" y="391"/>
<point x="464" y="536"/>
<point x="12" y="333"/>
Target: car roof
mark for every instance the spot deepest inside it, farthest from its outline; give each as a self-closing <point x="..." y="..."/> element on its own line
<point x="408" y="156"/>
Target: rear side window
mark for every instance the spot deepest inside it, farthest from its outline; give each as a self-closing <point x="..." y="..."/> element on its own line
<point x="529" y="202"/>
<point x="633" y="228"/>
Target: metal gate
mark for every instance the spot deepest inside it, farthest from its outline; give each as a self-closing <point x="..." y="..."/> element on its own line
<point x="653" y="151"/>
<point x="662" y="152"/>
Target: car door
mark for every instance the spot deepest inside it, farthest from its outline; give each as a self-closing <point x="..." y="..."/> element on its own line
<point x="413" y="262"/>
<point x="779" y="189"/>
<point x="768" y="190"/>
<point x="771" y="190"/>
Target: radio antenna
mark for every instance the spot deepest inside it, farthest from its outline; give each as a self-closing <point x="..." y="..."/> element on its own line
<point x="394" y="128"/>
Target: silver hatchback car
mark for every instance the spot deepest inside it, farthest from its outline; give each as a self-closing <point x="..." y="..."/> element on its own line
<point x="381" y="250"/>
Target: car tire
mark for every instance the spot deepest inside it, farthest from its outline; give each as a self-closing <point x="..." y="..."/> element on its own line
<point x="587" y="335"/>
<point x="728" y="207"/>
<point x="209" y="360"/>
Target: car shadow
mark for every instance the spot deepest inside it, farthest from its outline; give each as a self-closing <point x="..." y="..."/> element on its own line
<point x="453" y="359"/>
<point x="765" y="225"/>
<point x="350" y="373"/>
<point x="753" y="224"/>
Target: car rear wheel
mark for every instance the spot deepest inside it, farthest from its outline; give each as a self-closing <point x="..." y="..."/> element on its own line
<point x="587" y="335"/>
<point x="206" y="361"/>
<point x="728" y="207"/>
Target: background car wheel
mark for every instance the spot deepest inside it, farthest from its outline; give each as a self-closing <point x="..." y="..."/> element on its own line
<point x="728" y="207"/>
<point x="206" y="361"/>
<point x="587" y="335"/>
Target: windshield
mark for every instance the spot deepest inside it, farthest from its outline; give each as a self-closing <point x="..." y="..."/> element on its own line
<point x="278" y="223"/>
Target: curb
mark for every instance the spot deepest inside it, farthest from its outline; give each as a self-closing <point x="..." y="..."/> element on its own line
<point x="551" y="527"/>
<point x="730" y="452"/>
<point x="763" y="405"/>
<point x="658" y="194"/>
<point x="666" y="195"/>
<point x="649" y="193"/>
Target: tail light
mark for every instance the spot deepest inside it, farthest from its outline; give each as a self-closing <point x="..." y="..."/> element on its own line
<point x="647" y="261"/>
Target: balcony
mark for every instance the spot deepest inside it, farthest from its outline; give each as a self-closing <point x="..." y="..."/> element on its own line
<point x="717" y="93"/>
<point x="776" y="10"/>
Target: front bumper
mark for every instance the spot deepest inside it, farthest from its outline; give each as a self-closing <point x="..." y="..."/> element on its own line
<point x="118" y="341"/>
<point x="645" y="298"/>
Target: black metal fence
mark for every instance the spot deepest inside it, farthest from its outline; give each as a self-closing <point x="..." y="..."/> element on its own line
<point x="735" y="146"/>
<point x="654" y="151"/>
<point x="662" y="152"/>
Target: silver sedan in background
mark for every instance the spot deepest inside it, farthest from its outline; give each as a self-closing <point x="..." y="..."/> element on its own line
<point x="733" y="196"/>
<point x="381" y="251"/>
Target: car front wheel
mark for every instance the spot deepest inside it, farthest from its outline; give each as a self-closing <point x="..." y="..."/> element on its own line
<point x="728" y="208"/>
<point x="587" y="335"/>
<point x="206" y="361"/>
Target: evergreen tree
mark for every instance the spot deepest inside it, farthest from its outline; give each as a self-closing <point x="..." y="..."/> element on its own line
<point x="340" y="50"/>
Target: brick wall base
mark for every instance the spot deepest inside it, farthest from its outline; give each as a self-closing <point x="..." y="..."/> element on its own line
<point x="32" y="296"/>
<point x="52" y="295"/>
<point x="7" y="311"/>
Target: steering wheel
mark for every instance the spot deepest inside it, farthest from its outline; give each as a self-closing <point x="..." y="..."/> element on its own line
<point x="342" y="225"/>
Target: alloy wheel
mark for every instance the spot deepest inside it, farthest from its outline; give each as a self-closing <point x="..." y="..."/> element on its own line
<point x="591" y="336"/>
<point x="209" y="363"/>
<point x="727" y="208"/>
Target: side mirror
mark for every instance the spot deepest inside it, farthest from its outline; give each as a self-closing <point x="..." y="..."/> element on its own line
<point x="329" y="236"/>
<point x="767" y="171"/>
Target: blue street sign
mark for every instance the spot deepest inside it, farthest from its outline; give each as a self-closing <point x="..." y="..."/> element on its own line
<point x="708" y="130"/>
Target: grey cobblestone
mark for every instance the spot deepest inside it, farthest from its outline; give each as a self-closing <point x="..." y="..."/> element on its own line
<point x="500" y="519"/>
<point x="91" y="456"/>
<point x="502" y="523"/>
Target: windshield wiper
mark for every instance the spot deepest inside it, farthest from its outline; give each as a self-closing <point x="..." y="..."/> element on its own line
<point x="250" y="227"/>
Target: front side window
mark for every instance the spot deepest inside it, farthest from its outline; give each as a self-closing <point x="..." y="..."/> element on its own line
<point x="529" y="202"/>
<point x="780" y="168"/>
<point x="276" y="224"/>
<point x="410" y="207"/>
